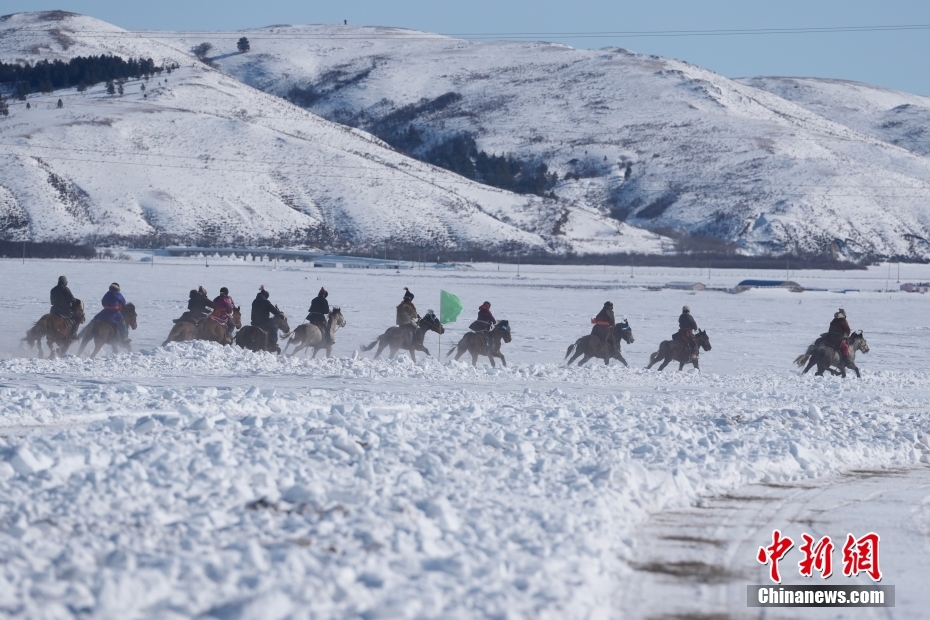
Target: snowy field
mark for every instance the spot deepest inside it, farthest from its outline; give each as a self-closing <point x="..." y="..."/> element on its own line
<point x="195" y="480"/>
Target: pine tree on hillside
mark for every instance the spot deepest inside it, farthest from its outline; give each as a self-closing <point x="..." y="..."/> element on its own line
<point x="111" y="87"/>
<point x="4" y="108"/>
<point x="82" y="86"/>
<point x="119" y="87"/>
<point x="142" y="87"/>
<point x="243" y="45"/>
<point x="60" y="104"/>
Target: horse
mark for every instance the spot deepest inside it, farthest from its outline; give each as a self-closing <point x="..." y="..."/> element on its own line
<point x="825" y="357"/>
<point x="407" y="337"/>
<point x="255" y="339"/>
<point x="484" y="343"/>
<point x="182" y="331"/>
<point x="679" y="351"/>
<point x="584" y="346"/>
<point x="103" y="332"/>
<point x="309" y="335"/>
<point x="214" y="331"/>
<point x="56" y="331"/>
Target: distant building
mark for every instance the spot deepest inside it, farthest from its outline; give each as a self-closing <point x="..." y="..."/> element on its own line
<point x="745" y="285"/>
<point x="921" y="287"/>
<point x="686" y="286"/>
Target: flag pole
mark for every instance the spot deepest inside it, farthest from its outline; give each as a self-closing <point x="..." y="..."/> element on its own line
<point x="440" y="326"/>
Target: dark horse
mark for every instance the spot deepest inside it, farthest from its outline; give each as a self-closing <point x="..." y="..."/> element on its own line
<point x="407" y="337"/>
<point x="679" y="351"/>
<point x="56" y="331"/>
<point x="103" y="332"/>
<point x="825" y="357"/>
<point x="484" y="343"/>
<point x="255" y="339"/>
<point x="309" y="335"/>
<point x="591" y="346"/>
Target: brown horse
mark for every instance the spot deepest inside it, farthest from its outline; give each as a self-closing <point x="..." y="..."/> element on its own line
<point x="182" y="331"/>
<point x="484" y="343"/>
<point x="825" y="357"/>
<point x="679" y="351"/>
<point x="255" y="339"/>
<point x="407" y="337"/>
<point x="55" y="330"/>
<point x="104" y="332"/>
<point x="214" y="331"/>
<point x="309" y="335"/>
<point x="591" y="346"/>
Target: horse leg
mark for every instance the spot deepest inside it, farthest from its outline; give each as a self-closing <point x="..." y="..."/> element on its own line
<point x="413" y="354"/>
<point x="503" y="361"/>
<point x="620" y="357"/>
<point x="584" y="359"/>
<point x="474" y="358"/>
<point x="810" y="364"/>
<point x="668" y="360"/>
<point x="856" y="368"/>
<point x="381" y="347"/>
<point x="460" y="351"/>
<point x="574" y="357"/>
<point x="98" y="344"/>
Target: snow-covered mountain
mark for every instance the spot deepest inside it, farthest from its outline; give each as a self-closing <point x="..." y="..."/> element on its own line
<point x="199" y="156"/>
<point x="771" y="165"/>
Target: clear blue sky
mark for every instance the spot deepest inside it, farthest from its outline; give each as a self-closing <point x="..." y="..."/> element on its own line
<point x="893" y="59"/>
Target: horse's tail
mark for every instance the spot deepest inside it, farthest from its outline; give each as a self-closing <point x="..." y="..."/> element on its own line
<point x="570" y="350"/>
<point x="372" y="345"/>
<point x="33" y="334"/>
<point x="802" y="359"/>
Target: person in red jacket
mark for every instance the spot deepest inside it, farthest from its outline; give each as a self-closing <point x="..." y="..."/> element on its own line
<point x="223" y="307"/>
<point x="836" y="335"/>
<point x="485" y="320"/>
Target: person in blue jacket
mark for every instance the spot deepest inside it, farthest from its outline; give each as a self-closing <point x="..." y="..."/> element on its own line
<point x="113" y="303"/>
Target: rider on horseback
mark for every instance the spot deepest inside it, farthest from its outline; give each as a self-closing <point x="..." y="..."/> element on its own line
<point x="319" y="308"/>
<point x="406" y="312"/>
<point x="199" y="306"/>
<point x="685" y="333"/>
<point x="113" y="303"/>
<point x="62" y="301"/>
<point x="836" y="335"/>
<point x="485" y="320"/>
<point x="603" y="328"/>
<point x="263" y="315"/>
<point x="223" y="307"/>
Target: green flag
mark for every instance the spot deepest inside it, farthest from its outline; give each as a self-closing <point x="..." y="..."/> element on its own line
<point x="450" y="307"/>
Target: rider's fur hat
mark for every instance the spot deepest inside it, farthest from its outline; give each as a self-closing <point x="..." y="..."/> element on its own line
<point x="114" y="287"/>
<point x="487" y="303"/>
<point x="608" y="304"/>
<point x="685" y="309"/>
<point x="408" y="294"/>
<point x="840" y="315"/>
<point x="192" y="294"/>
<point x="224" y="291"/>
<point x="202" y="291"/>
<point x="262" y="292"/>
<point x="323" y="292"/>
<point x="63" y="281"/>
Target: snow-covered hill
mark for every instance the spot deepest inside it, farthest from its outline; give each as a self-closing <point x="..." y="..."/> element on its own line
<point x="657" y="142"/>
<point x="198" y="156"/>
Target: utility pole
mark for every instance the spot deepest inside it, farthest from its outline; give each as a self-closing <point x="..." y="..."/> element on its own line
<point x="24" y="252"/>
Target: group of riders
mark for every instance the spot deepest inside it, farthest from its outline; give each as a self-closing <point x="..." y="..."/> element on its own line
<point x="220" y="309"/>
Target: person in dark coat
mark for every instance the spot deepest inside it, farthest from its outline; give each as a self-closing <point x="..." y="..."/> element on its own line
<point x="199" y="306"/>
<point x="406" y="311"/>
<point x="263" y="315"/>
<point x="686" y="327"/>
<point x="113" y="303"/>
<point x="485" y="320"/>
<point x="604" y="323"/>
<point x="62" y="301"/>
<point x="319" y="308"/>
<point x="836" y="335"/>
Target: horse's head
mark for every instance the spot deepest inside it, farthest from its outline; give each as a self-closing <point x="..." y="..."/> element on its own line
<point x="237" y="317"/>
<point x="431" y="322"/>
<point x="130" y="316"/>
<point x="623" y="331"/>
<point x="857" y="342"/>
<point x="281" y="322"/>
<point x="703" y="339"/>
<point x="335" y="316"/>
<point x="504" y="328"/>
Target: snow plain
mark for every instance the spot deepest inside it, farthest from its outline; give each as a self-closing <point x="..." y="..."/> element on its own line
<point x="195" y="480"/>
